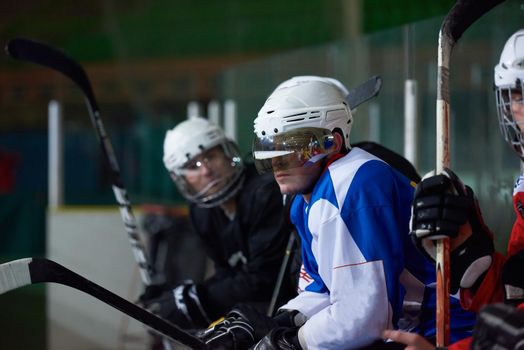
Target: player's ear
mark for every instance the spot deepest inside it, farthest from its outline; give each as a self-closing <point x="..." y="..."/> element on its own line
<point x="338" y="141"/>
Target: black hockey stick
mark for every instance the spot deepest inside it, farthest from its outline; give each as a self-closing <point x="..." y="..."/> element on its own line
<point x="281" y="274"/>
<point x="45" y="55"/>
<point x="459" y="18"/>
<point x="42" y="54"/>
<point x="20" y="273"/>
<point x="364" y="92"/>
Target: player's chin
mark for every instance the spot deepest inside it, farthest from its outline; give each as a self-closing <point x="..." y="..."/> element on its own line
<point x="287" y="187"/>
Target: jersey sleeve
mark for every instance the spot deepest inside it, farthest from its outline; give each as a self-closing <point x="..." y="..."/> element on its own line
<point x="307" y="302"/>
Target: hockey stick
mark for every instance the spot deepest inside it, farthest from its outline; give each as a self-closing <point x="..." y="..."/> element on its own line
<point x="364" y="92"/>
<point x="458" y="19"/>
<point x="42" y="54"/>
<point x="20" y="273"/>
<point x="281" y="273"/>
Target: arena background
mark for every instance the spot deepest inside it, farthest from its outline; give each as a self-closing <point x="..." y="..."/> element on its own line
<point x="148" y="61"/>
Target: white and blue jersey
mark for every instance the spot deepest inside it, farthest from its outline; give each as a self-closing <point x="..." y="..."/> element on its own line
<point x="364" y="274"/>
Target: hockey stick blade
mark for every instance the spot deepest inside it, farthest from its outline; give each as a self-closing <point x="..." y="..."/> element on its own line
<point x="364" y="92"/>
<point x="463" y="14"/>
<point x="45" y="55"/>
<point x="23" y="272"/>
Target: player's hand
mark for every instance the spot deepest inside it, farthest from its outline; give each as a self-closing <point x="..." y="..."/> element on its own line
<point x="280" y="338"/>
<point x="242" y="327"/>
<point x="499" y="326"/>
<point x="441" y="205"/>
<point x="512" y="277"/>
<point x="444" y="207"/>
<point x="151" y="292"/>
<point x="412" y="341"/>
<point x="180" y="306"/>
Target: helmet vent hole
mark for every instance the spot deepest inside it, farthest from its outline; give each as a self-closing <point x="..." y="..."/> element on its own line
<point x="276" y="130"/>
<point x="263" y="133"/>
<point x="201" y="147"/>
<point x="188" y="156"/>
<point x="269" y="112"/>
<point x="295" y="115"/>
<point x="295" y="120"/>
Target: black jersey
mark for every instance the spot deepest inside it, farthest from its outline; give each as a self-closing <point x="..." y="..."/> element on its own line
<point x="247" y="251"/>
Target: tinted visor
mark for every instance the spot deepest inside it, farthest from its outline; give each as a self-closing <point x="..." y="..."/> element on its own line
<point x="292" y="149"/>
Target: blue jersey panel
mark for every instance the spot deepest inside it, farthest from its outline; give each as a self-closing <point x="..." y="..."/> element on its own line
<point x="298" y="215"/>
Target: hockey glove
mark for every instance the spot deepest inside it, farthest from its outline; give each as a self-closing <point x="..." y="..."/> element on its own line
<point x="280" y="338"/>
<point x="242" y="327"/>
<point x="499" y="326"/>
<point x="443" y="204"/>
<point x="513" y="278"/>
<point x="180" y="306"/>
<point x="151" y="292"/>
<point x="289" y="318"/>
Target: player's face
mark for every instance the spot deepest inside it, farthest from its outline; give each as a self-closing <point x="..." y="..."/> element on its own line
<point x="292" y="177"/>
<point x="517" y="108"/>
<point x="208" y="171"/>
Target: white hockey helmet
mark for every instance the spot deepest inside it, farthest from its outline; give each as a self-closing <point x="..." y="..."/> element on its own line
<point x="188" y="140"/>
<point x="509" y="78"/>
<point x="299" y="118"/>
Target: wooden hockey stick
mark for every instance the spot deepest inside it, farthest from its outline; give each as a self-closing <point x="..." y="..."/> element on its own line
<point x="458" y="19"/>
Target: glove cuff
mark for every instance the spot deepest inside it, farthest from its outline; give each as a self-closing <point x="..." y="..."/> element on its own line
<point x="475" y="270"/>
<point x="470" y="261"/>
<point x="513" y="278"/>
<point x="188" y="302"/>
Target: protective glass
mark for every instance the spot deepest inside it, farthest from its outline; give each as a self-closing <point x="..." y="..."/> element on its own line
<point x="299" y="147"/>
<point x="510" y="110"/>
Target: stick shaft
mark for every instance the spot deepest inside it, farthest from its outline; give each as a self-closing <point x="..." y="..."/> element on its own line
<point x="459" y="18"/>
<point x="443" y="160"/>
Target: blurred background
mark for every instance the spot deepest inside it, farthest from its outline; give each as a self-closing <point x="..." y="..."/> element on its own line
<point x="153" y="63"/>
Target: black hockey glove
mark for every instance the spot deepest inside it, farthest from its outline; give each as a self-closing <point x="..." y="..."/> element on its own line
<point x="499" y="326"/>
<point x="513" y="278"/>
<point x="280" y="338"/>
<point x="242" y="327"/>
<point x="151" y="292"/>
<point x="442" y="204"/>
<point x="180" y="306"/>
<point x="289" y="318"/>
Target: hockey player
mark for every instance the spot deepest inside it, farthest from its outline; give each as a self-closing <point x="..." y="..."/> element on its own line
<point x="444" y="206"/>
<point x="352" y="213"/>
<point x="239" y="216"/>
